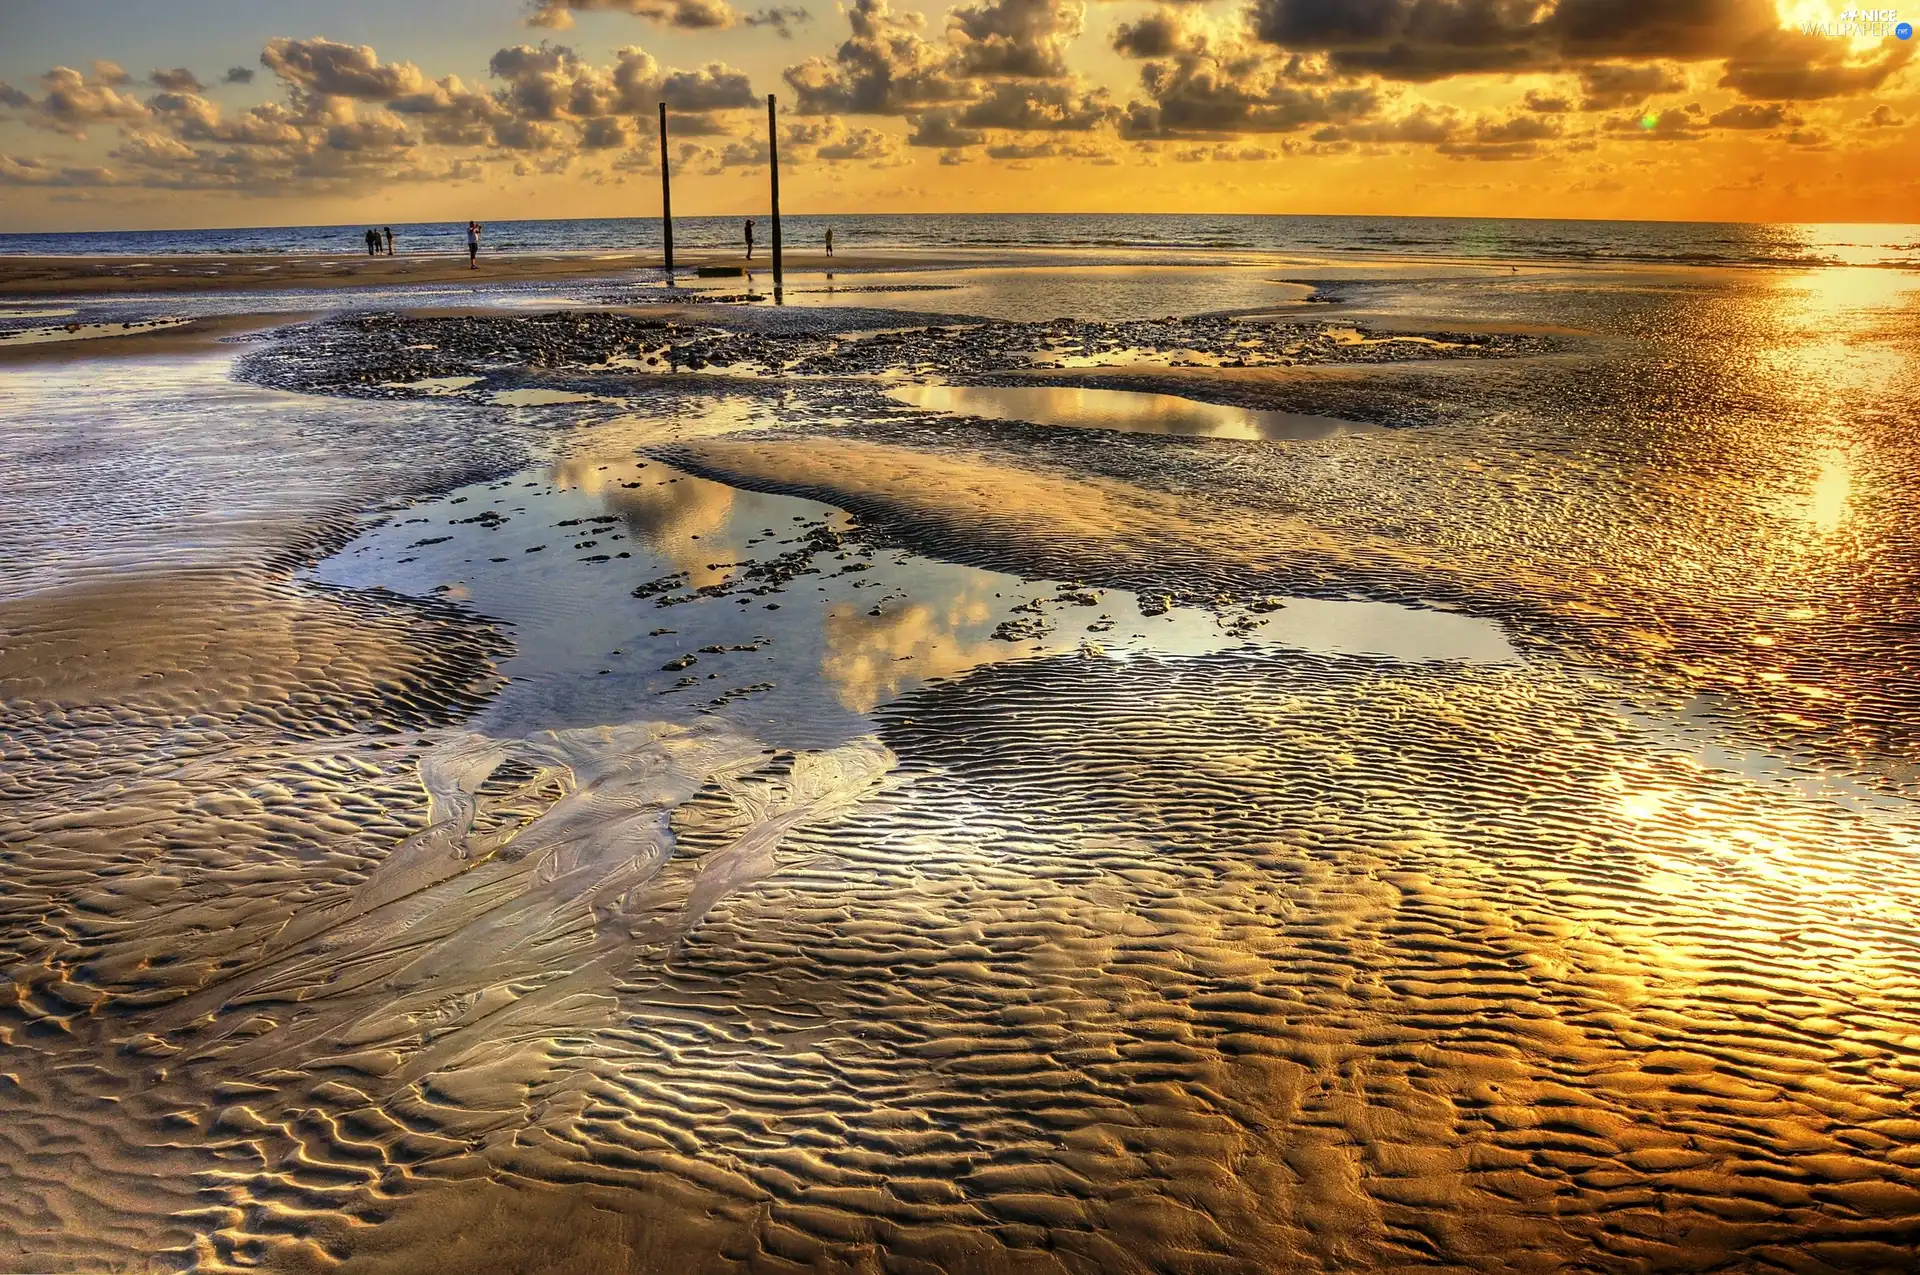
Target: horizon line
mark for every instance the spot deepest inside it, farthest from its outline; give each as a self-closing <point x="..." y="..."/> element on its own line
<point x="757" y="213"/>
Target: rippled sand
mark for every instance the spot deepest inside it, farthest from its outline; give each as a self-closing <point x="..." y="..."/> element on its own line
<point x="1480" y="846"/>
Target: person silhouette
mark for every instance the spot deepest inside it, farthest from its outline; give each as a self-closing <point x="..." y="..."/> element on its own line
<point x="749" y="239"/>
<point x="389" y="233"/>
<point x="473" y="245"/>
<point x="829" y="241"/>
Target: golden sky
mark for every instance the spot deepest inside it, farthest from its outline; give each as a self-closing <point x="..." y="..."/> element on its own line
<point x="215" y="112"/>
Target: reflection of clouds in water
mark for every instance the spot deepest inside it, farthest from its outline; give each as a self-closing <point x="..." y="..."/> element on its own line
<point x="666" y="509"/>
<point x="662" y="515"/>
<point x="1078" y="407"/>
<point x="870" y="659"/>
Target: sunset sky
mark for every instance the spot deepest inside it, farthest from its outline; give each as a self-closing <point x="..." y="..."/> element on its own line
<point x="257" y="112"/>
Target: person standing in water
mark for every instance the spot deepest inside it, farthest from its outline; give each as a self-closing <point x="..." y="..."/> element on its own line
<point x="749" y="239"/>
<point x="368" y="238"/>
<point x="829" y="241"/>
<point x="389" y="231"/>
<point x="473" y="245"/>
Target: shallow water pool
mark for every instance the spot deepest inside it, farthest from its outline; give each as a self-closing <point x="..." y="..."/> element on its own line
<point x="1126" y="411"/>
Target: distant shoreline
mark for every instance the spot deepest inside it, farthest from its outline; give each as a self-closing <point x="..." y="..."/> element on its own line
<point x="583" y="245"/>
<point x="56" y="276"/>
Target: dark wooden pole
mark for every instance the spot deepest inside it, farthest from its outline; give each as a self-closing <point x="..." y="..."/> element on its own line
<point x="666" y="196"/>
<point x="773" y="166"/>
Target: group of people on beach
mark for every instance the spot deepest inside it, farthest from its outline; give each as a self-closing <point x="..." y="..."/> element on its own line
<point x="380" y="240"/>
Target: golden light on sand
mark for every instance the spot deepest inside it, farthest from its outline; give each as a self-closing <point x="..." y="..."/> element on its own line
<point x="1832" y="315"/>
<point x="1827" y="504"/>
<point x="1487" y="837"/>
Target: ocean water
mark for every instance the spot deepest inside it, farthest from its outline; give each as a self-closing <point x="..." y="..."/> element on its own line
<point x="1120" y="235"/>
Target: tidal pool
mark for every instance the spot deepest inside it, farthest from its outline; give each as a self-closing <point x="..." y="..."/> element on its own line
<point x="1125" y="410"/>
<point x="628" y="581"/>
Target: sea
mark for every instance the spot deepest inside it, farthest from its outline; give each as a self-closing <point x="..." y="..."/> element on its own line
<point x="1123" y="236"/>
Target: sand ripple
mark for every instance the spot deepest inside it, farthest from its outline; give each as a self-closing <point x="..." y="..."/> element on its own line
<point x="1260" y="959"/>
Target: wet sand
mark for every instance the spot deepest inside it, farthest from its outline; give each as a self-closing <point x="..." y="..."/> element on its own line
<point x="81" y="276"/>
<point x="118" y="341"/>
<point x="621" y="789"/>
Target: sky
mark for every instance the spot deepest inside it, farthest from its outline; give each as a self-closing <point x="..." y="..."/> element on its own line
<point x="265" y="112"/>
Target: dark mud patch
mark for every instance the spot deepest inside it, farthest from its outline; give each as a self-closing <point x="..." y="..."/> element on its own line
<point x="389" y="355"/>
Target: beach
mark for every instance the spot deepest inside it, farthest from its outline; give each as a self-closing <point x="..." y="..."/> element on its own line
<point x="1104" y="760"/>
<point x="53" y="276"/>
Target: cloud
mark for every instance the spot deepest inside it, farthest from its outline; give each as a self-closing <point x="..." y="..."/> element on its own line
<point x="1050" y="149"/>
<point x="686" y="15"/>
<point x="937" y="128"/>
<point x="1512" y="137"/>
<point x="110" y="73"/>
<point x="1487" y="150"/>
<point x="741" y="153"/>
<point x="642" y="159"/>
<point x="451" y="114"/>
<point x="1608" y="86"/>
<point x="606" y="133"/>
<point x="713" y="87"/>
<point x="377" y="134"/>
<point x="73" y="101"/>
<point x="238" y="75"/>
<point x="782" y="18"/>
<point x="178" y="80"/>
<point x="1043" y="107"/>
<point x="1790" y="66"/>
<point x="1809" y="139"/>
<point x="190" y="117"/>
<point x="1219" y="153"/>
<point x="1516" y="129"/>
<point x="864" y="145"/>
<point x="1015" y="37"/>
<point x="1001" y="64"/>
<point x="552" y="83"/>
<point x="1157" y="35"/>
<point x="1425" y="126"/>
<point x="1434" y="39"/>
<point x="1883" y="116"/>
<point x="1406" y="39"/>
<point x="350" y="120"/>
<point x="547" y="82"/>
<point x="322" y="68"/>
<point x="1547" y="104"/>
<point x="1622" y="49"/>
<point x="29" y="171"/>
<point x="1751" y="115"/>
<point x="1234" y="87"/>
<point x="16" y="98"/>
<point x="885" y="67"/>
<point x="1676" y="124"/>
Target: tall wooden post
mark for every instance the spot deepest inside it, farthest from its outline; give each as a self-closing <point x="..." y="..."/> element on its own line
<point x="773" y="166"/>
<point x="666" y="196"/>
